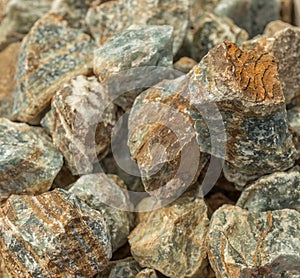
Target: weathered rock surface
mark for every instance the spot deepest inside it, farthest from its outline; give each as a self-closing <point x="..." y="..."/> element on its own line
<point x="54" y="235"/>
<point x="8" y="63"/>
<point x="51" y="54"/>
<point x="252" y="16"/>
<point x="147" y="273"/>
<point x="280" y="190"/>
<point x="245" y="87"/>
<point x="293" y="118"/>
<point x="185" y="64"/>
<point x="29" y="161"/>
<point x="80" y="123"/>
<point x="172" y="239"/>
<point x="284" y="45"/>
<point x="273" y="27"/>
<point x="103" y="193"/>
<point x="125" y="269"/>
<point x="247" y="244"/>
<point x="286" y="10"/>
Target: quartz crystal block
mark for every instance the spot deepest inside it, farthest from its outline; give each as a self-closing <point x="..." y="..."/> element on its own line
<point x="52" y="235"/>
<point x="29" y="161"/>
<point x="172" y="239"/>
<point x="248" y="244"/>
<point x="245" y="87"/>
<point x="107" y="194"/>
<point x="51" y="54"/>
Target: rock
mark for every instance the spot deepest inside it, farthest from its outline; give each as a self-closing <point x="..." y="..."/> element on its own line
<point x="286" y="11"/>
<point x="172" y="239"/>
<point x="216" y="200"/>
<point x="297" y="12"/>
<point x="52" y="53"/>
<point x="247" y="244"/>
<point x="273" y="27"/>
<point x="80" y="123"/>
<point x="53" y="234"/>
<point x="107" y="194"/>
<point x="252" y="16"/>
<point x="212" y="30"/>
<point x="284" y="45"/>
<point x="147" y="273"/>
<point x="185" y="64"/>
<point x="145" y="207"/>
<point x="280" y="190"/>
<point x="28" y="160"/>
<point x="125" y="269"/>
<point x="136" y="47"/>
<point x="245" y="87"/>
<point x="8" y="62"/>
<point x="293" y="117"/>
<point x="3" y="11"/>
<point x="18" y="18"/>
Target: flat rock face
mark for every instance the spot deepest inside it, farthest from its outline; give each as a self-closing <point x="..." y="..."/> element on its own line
<point x="54" y="235"/>
<point x="51" y="54"/>
<point x="29" y="161"/>
<point x="252" y="16"/>
<point x="245" y="87"/>
<point x="103" y="193"/>
<point x="80" y="123"/>
<point x="172" y="239"/>
<point x="248" y="244"/>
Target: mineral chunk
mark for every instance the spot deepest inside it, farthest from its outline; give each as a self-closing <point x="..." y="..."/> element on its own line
<point x="252" y="16"/>
<point x="108" y="195"/>
<point x="28" y="160"/>
<point x="245" y="87"/>
<point x="147" y="273"/>
<point x="274" y="192"/>
<point x="185" y="64"/>
<point x="248" y="244"/>
<point x="52" y="235"/>
<point x="125" y="269"/>
<point x="293" y="117"/>
<point x="50" y="55"/>
<point x="80" y="123"/>
<point x="172" y="239"/>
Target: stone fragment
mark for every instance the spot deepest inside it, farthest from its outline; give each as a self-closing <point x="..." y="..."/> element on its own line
<point x="293" y="117"/>
<point x="52" y="235"/>
<point x="147" y="273"/>
<point x="247" y="244"/>
<point x="8" y="62"/>
<point x="107" y="194"/>
<point x="251" y="15"/>
<point x="145" y="207"/>
<point x="245" y="87"/>
<point x="51" y="54"/>
<point x="3" y="4"/>
<point x="284" y="45"/>
<point x="172" y="239"/>
<point x="125" y="269"/>
<point x="273" y="27"/>
<point x="162" y="139"/>
<point x="274" y="192"/>
<point x="29" y="161"/>
<point x="286" y="10"/>
<point x="80" y="123"/>
<point x="185" y="64"/>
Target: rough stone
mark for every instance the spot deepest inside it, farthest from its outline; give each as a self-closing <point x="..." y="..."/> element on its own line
<point x="29" y="161"/>
<point x="51" y="54"/>
<point x="103" y="193"/>
<point x="245" y="87"/>
<point x="52" y="235"/>
<point x="293" y="117"/>
<point x="286" y="10"/>
<point x="147" y="273"/>
<point x="297" y="12"/>
<point x="251" y="15"/>
<point x="185" y="64"/>
<point x="80" y="123"/>
<point x="273" y="27"/>
<point x="125" y="269"/>
<point x="145" y="207"/>
<point x="8" y="63"/>
<point x="247" y="244"/>
<point x="172" y="239"/>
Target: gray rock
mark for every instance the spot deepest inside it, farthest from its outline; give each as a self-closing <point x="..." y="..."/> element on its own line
<point x="293" y="117"/>
<point x="125" y="269"/>
<point x="29" y="161"/>
<point x="54" y="235"/>
<point x="247" y="244"/>
<point x="103" y="193"/>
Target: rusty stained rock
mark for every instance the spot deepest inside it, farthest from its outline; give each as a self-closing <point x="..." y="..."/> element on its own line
<point x="172" y="239"/>
<point x="51" y="54"/>
<point x="107" y="194"/>
<point x="54" y="235"/>
<point x="245" y="87"/>
<point x="80" y="123"/>
<point x="284" y="45"/>
<point x="248" y="244"/>
<point x="185" y="64"/>
<point x="29" y="161"/>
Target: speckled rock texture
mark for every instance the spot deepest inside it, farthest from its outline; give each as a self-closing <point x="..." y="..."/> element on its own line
<point x="284" y="45"/>
<point x="172" y="239"/>
<point x="293" y="119"/>
<point x="80" y="123"/>
<point x="125" y="269"/>
<point x="280" y="190"/>
<point x="245" y="87"/>
<point x="29" y="161"/>
<point x="103" y="193"/>
<point x="248" y="244"/>
<point x="251" y="15"/>
<point x="51" y="54"/>
<point x="54" y="235"/>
